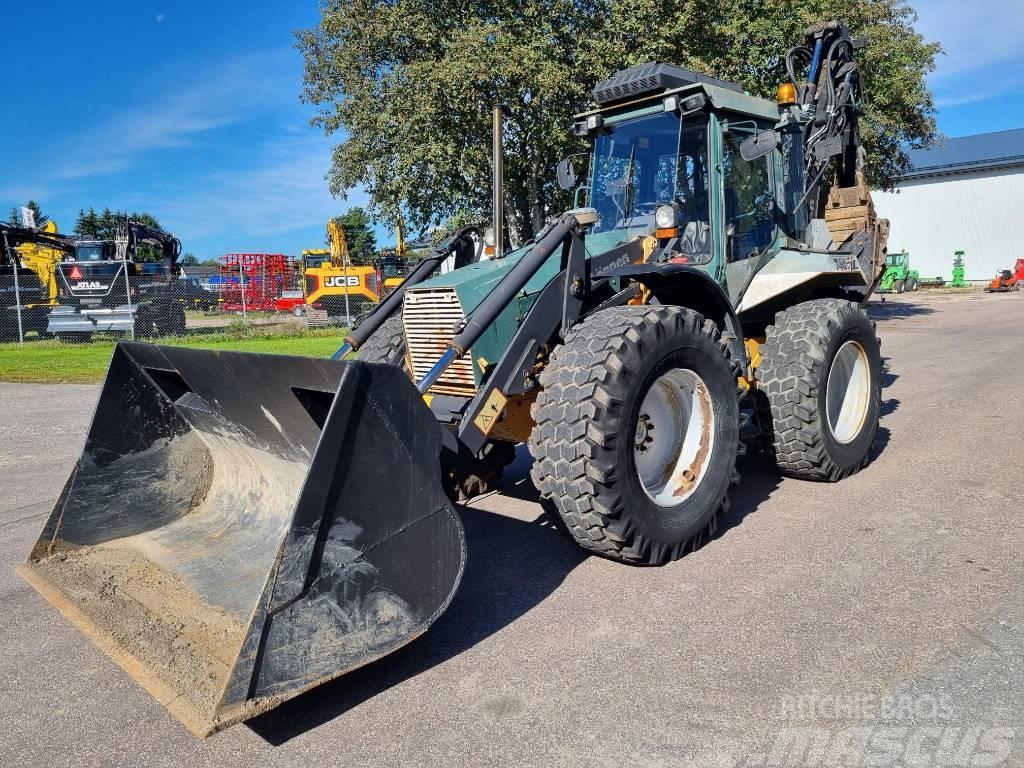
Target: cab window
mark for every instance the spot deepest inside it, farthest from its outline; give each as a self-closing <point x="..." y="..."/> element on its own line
<point x="749" y="198"/>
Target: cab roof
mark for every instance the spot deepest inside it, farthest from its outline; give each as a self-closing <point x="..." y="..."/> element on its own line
<point x="730" y="98"/>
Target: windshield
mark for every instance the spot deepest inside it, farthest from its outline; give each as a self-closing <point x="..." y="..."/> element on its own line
<point x="89" y="253"/>
<point x="640" y="164"/>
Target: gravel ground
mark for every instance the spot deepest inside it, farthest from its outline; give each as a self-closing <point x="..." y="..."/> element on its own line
<point x="879" y="621"/>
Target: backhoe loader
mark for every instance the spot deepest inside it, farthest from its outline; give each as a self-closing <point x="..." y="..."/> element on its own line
<point x="243" y="527"/>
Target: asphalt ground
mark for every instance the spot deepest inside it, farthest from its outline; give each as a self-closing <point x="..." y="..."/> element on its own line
<point x="878" y="621"/>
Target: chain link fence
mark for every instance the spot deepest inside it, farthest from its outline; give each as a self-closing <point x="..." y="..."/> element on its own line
<point x="82" y="302"/>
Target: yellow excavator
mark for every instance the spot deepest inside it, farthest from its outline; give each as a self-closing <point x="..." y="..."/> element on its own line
<point x="327" y="284"/>
<point x="25" y="307"/>
<point x="329" y="277"/>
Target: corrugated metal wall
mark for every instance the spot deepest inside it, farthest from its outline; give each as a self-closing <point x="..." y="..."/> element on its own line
<point x="980" y="213"/>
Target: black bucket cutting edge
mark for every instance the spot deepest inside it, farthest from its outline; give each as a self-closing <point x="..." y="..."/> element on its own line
<point x="243" y="527"/>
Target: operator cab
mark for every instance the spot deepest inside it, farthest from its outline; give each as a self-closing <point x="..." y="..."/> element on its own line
<point x="666" y="161"/>
<point x="94" y="250"/>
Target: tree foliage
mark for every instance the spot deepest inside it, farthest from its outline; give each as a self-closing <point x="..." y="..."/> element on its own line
<point x="359" y="234"/>
<point x="410" y="85"/>
<point x="103" y="226"/>
<point x="15" y="215"/>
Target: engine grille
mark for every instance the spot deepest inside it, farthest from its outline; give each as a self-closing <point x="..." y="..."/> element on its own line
<point x="430" y="316"/>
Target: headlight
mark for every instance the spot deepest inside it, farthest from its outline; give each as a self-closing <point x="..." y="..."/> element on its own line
<point x="665" y="217"/>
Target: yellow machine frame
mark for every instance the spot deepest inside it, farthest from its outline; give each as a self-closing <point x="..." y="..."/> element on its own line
<point x="43" y="261"/>
<point x="341" y="276"/>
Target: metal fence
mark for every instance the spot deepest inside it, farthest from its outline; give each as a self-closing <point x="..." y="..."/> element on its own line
<point x="100" y="301"/>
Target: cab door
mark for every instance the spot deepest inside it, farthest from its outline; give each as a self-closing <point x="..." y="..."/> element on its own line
<point x="749" y="194"/>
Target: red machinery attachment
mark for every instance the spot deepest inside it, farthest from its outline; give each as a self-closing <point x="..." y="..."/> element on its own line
<point x="254" y="281"/>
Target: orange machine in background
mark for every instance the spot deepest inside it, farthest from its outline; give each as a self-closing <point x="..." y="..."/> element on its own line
<point x="1007" y="280"/>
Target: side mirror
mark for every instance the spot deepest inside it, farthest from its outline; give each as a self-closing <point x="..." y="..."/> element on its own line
<point x="759" y="145"/>
<point x="566" y="173"/>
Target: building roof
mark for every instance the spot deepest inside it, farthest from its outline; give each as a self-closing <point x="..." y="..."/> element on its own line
<point x="985" y="151"/>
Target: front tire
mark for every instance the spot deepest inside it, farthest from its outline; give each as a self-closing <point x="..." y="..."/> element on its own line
<point x="624" y="489"/>
<point x="821" y="373"/>
<point x="484" y="473"/>
<point x="387" y="344"/>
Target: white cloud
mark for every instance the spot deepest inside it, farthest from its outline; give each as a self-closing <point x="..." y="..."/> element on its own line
<point x="228" y="94"/>
<point x="282" y="190"/>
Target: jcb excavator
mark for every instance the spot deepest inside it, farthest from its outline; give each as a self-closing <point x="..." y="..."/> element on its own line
<point x="243" y="527"/>
<point x="327" y="284"/>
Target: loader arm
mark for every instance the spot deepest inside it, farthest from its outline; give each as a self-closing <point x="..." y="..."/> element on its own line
<point x="170" y="246"/>
<point x="460" y="242"/>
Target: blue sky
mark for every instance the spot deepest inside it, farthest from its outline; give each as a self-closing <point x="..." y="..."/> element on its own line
<point x="191" y="110"/>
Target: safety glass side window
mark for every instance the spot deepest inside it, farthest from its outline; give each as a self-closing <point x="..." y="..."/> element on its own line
<point x="749" y="198"/>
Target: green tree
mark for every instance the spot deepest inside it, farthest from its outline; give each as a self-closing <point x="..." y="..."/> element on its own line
<point x="359" y="234"/>
<point x="41" y="218"/>
<point x="87" y="225"/>
<point x="410" y="83"/>
<point x="189" y="260"/>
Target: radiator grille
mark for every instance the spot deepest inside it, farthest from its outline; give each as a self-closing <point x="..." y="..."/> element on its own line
<point x="430" y="316"/>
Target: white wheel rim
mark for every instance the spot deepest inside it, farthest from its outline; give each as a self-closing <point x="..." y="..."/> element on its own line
<point x="674" y="437"/>
<point x="847" y="392"/>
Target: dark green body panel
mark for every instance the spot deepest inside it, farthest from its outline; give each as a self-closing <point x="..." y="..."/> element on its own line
<point x="474" y="282"/>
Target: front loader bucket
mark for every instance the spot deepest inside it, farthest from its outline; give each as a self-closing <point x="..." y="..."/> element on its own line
<point x="243" y="527"/>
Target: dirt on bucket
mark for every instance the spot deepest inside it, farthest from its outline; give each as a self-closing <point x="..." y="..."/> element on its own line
<point x="154" y="618"/>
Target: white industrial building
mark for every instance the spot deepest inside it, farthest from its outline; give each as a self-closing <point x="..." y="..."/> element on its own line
<point x="965" y="194"/>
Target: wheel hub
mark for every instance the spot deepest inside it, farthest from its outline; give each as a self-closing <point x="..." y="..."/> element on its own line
<point x="643" y="437"/>
<point x="847" y="392"/>
<point x="674" y="436"/>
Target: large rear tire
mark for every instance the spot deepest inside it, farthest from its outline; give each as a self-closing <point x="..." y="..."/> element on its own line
<point x="821" y="374"/>
<point x="637" y="432"/>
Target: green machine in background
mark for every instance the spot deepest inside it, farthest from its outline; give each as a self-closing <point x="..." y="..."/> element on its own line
<point x="958" y="280"/>
<point x="899" y="277"/>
